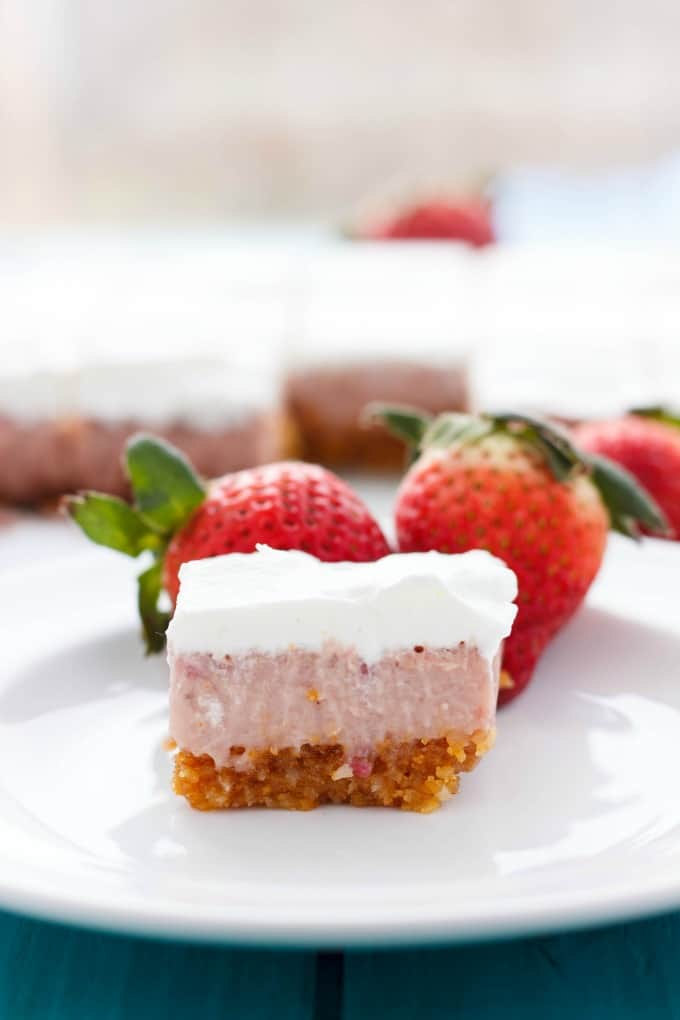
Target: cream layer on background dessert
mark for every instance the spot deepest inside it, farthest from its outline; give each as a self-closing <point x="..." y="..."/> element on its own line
<point x="69" y="402"/>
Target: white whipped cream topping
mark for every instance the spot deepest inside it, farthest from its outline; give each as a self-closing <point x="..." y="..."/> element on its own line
<point x="410" y="304"/>
<point x="138" y="345"/>
<point x="269" y="600"/>
<point x="203" y="391"/>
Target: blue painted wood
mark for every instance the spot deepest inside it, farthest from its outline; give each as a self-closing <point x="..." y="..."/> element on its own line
<point x="49" y="972"/>
<point x="620" y="973"/>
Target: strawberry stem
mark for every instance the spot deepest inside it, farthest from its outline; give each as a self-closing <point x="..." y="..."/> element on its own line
<point x="154" y="620"/>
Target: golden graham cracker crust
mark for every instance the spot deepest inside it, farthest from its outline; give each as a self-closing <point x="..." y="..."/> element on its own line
<point x="415" y="775"/>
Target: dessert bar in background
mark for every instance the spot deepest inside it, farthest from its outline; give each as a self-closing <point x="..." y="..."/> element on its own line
<point x="244" y="353"/>
<point x="326" y="403"/>
<point x="295" y="683"/>
<point x="376" y="323"/>
<point x="93" y="354"/>
<point x="64" y="429"/>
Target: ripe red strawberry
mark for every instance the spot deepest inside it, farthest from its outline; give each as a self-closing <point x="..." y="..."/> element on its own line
<point x="518" y="488"/>
<point x="287" y="506"/>
<point x="176" y="517"/>
<point x="467" y="219"/>
<point x="646" y="443"/>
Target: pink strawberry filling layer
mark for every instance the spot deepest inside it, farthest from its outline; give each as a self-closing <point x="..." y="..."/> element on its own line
<point x="331" y="696"/>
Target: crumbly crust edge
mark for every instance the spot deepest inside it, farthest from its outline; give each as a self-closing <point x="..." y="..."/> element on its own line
<point x="413" y="775"/>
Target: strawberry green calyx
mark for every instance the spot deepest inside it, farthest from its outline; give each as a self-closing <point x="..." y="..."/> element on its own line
<point x="420" y="431"/>
<point x="166" y="492"/>
<point x="665" y="415"/>
<point x="407" y="423"/>
<point x="110" y="521"/>
<point x="165" y="487"/>
<point x="629" y="505"/>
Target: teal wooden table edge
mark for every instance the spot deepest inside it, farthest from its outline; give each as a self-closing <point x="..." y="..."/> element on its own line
<point x="52" y="971"/>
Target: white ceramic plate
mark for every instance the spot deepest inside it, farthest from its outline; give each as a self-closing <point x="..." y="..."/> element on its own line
<point x="573" y="819"/>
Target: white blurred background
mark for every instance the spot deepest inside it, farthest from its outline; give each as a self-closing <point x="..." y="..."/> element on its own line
<point x="173" y="175"/>
<point x="256" y="108"/>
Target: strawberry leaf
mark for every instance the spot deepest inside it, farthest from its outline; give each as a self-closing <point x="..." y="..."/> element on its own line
<point x="552" y="442"/>
<point x="407" y="423"/>
<point x="456" y="428"/>
<point x="109" y="521"/>
<point x="627" y="503"/>
<point x="154" y="620"/>
<point x="662" y="414"/>
<point x="165" y="486"/>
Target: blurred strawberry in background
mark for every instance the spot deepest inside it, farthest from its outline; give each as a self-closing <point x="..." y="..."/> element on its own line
<point x="466" y="218"/>
<point x="647" y="443"/>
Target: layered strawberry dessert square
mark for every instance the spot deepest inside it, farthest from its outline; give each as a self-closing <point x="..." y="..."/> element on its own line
<point x="378" y="323"/>
<point x="327" y="402"/>
<point x="64" y="427"/>
<point x="295" y="683"/>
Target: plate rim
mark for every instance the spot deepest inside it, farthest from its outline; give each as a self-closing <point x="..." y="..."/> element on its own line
<point x="294" y="926"/>
<point x="555" y="914"/>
